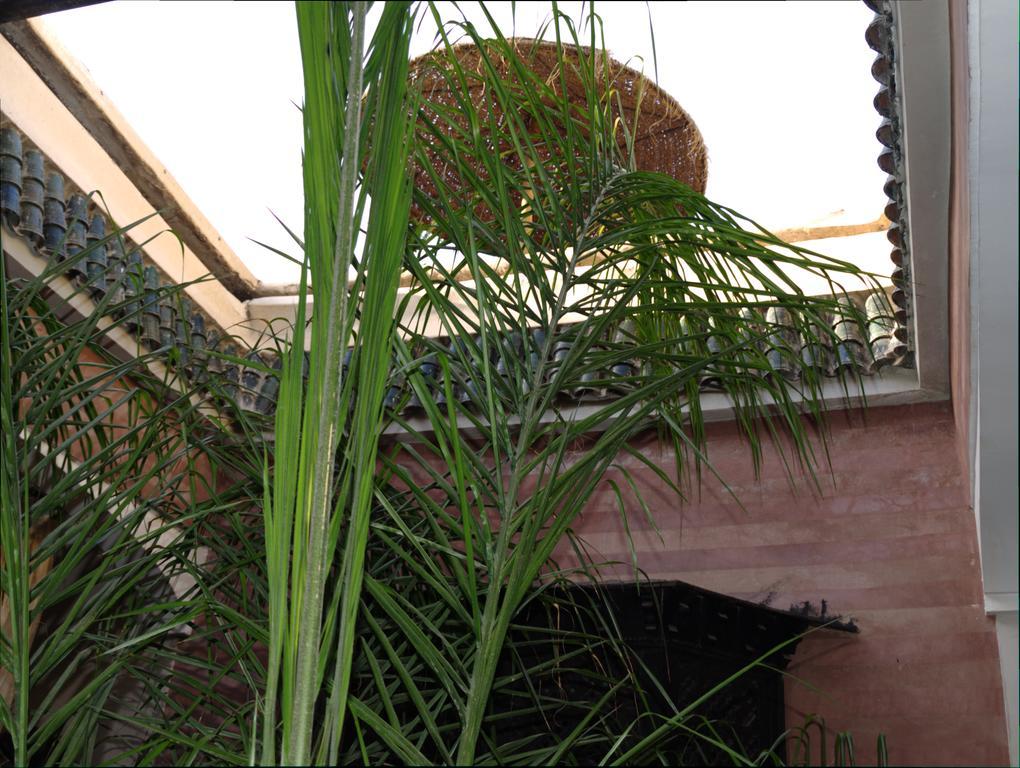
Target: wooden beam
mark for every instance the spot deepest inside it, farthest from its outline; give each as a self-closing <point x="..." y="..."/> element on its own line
<point x="97" y="114"/>
<point x="796" y="235"/>
<point x="17" y="10"/>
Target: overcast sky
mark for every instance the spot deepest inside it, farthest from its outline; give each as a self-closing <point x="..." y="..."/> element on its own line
<point x="781" y="92"/>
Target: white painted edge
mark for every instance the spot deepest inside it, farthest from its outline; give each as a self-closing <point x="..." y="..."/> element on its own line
<point x="995" y="87"/>
<point x="1007" y="633"/>
<point x="892" y="386"/>
<point x="1002" y="602"/>
<point x="923" y="74"/>
<point x="992" y="167"/>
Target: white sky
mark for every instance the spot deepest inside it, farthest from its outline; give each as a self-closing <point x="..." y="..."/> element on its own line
<point x="782" y="93"/>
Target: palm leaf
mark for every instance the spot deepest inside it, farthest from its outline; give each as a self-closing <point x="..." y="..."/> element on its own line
<point x="376" y="614"/>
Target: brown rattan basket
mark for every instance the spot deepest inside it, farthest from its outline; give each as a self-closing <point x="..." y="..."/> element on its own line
<point x="666" y="138"/>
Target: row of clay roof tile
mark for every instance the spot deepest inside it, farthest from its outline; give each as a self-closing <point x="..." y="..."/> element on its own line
<point x="61" y="223"/>
<point x="880" y="36"/>
<point x="780" y="350"/>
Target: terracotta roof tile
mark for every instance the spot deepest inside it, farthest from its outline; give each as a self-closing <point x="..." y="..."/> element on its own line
<point x="880" y="34"/>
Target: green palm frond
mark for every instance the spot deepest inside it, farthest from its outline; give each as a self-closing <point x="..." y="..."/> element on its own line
<point x="545" y="265"/>
<point x="101" y="514"/>
<point x="365" y="599"/>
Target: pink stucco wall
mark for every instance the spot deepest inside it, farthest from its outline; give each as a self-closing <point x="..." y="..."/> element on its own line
<point x="889" y="540"/>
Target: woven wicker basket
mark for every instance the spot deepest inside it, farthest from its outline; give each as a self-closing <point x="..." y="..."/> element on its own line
<point x="666" y="140"/>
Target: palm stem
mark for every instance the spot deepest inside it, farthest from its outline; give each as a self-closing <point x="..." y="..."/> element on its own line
<point x="325" y="436"/>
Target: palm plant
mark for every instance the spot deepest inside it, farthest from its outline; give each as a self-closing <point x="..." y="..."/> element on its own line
<point x="103" y="474"/>
<point x="445" y="545"/>
<point x="377" y="614"/>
